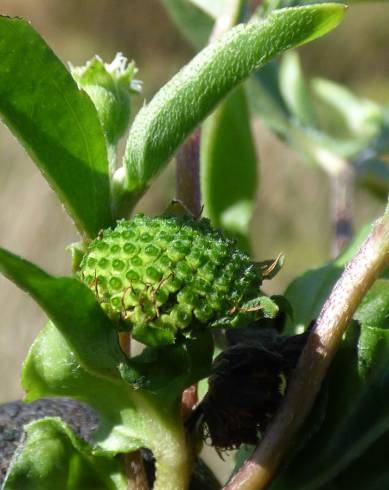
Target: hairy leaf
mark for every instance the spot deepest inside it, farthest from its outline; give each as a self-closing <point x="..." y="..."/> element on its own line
<point x="163" y="124"/>
<point x="52" y="456"/>
<point x="56" y="122"/>
<point x="228" y="167"/>
<point x="374" y="309"/>
<point x="128" y="418"/>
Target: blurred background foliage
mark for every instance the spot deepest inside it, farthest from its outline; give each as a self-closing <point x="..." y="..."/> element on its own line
<point x="292" y="213"/>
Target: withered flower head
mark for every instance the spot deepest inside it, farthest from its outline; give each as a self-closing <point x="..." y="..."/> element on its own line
<point x="247" y="383"/>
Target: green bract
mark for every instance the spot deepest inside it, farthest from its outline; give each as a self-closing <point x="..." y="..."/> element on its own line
<point x="169" y="275"/>
<point x="109" y="86"/>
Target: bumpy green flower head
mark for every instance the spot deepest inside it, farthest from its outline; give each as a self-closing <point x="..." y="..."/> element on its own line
<point x="167" y="276"/>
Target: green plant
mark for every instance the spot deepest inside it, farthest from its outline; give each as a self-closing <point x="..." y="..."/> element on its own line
<point x="170" y="281"/>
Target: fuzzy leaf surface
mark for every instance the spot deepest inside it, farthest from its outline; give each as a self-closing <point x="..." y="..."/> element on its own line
<point x="128" y="419"/>
<point x="52" y="456"/>
<point x="229" y="167"/>
<point x="52" y="368"/>
<point x="163" y="124"/>
<point x="56" y="122"/>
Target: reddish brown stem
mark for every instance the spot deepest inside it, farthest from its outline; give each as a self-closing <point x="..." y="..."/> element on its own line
<point x="133" y="462"/>
<point x="135" y="471"/>
<point x="125" y="342"/>
<point x="188" y="174"/>
<point x="341" y="208"/>
<point x="189" y="401"/>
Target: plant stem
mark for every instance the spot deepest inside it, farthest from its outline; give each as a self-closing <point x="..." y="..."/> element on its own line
<point x="174" y="464"/>
<point x="133" y="462"/>
<point x="341" y="208"/>
<point x="188" y="190"/>
<point x="188" y="174"/>
<point x="373" y="256"/>
<point x="135" y="471"/>
<point x="254" y="4"/>
<point x="189" y="400"/>
<point x="189" y="194"/>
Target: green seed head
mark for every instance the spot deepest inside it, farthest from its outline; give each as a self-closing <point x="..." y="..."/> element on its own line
<point x="166" y="276"/>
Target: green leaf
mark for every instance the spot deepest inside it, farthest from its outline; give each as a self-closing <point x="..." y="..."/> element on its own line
<point x="81" y="358"/>
<point x="162" y="125"/>
<point x="56" y="123"/>
<point x="229" y="167"/>
<point x="295" y="90"/>
<point x="195" y="25"/>
<point x="357" y="412"/>
<point x="362" y="116"/>
<point x="52" y="456"/>
<point x="203" y="478"/>
<point x="128" y="419"/>
<point x="168" y="370"/>
<point x="308" y="292"/>
<point x="109" y="86"/>
<point x="267" y="101"/>
<point x="214" y="9"/>
<point x="52" y="368"/>
<point x="374" y="175"/>
<point x="374" y="309"/>
<point x="75" y="311"/>
<point x="369" y="471"/>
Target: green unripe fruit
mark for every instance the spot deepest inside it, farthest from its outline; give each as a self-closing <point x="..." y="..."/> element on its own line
<point x="167" y="276"/>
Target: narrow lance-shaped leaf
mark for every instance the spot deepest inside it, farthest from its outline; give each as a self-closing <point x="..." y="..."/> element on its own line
<point x="194" y="24"/>
<point x="295" y="90"/>
<point x="52" y="456"/>
<point x="56" y="122"/>
<point x="163" y="124"/>
<point x="214" y="9"/>
<point x="363" y="117"/>
<point x="228" y="167"/>
<point x="74" y="310"/>
<point x="266" y="100"/>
